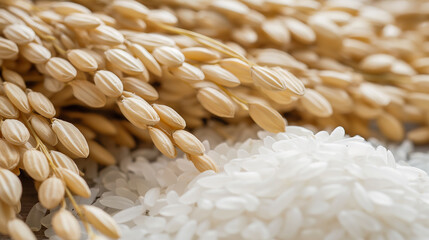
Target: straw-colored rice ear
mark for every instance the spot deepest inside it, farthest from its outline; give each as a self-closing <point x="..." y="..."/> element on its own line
<point x="66" y="225"/>
<point x="35" y="53"/>
<point x="66" y="8"/>
<point x="70" y="137"/>
<point x="43" y="130"/>
<point x="267" y="117"/>
<point x="316" y="104"/>
<point x="82" y="21"/>
<point x="102" y="221"/>
<point x="377" y="63"/>
<point x="61" y="160"/>
<point x="18" y="230"/>
<point x="75" y="183"/>
<point x="51" y="192"/>
<point x="36" y="164"/>
<point x="216" y="102"/>
<point x="124" y="61"/>
<point x="106" y="35"/>
<point x="140" y="88"/>
<point x="7" y="110"/>
<point x="99" y="154"/>
<point x="10" y="187"/>
<point x="300" y="31"/>
<point x="13" y="77"/>
<point x="108" y="83"/>
<point x="9" y="155"/>
<point x="267" y="78"/>
<point x="219" y="75"/>
<point x="168" y="56"/>
<point x="19" y="33"/>
<point x="82" y="60"/>
<point x="17" y="96"/>
<point x="169" y="116"/>
<point x="203" y="163"/>
<point x="146" y="58"/>
<point x="41" y="104"/>
<point x="163" y="142"/>
<point x="88" y="93"/>
<point x="15" y="132"/>
<point x="237" y="67"/>
<point x="8" y="49"/>
<point x="200" y="54"/>
<point x="138" y="111"/>
<point x="188" y="73"/>
<point x="293" y="84"/>
<point x="338" y="98"/>
<point x="130" y="9"/>
<point x="188" y="143"/>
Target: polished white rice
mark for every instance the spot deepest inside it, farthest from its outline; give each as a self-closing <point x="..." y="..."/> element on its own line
<point x="293" y="185"/>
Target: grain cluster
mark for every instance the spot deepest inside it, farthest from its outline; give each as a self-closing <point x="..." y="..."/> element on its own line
<point x="76" y="74"/>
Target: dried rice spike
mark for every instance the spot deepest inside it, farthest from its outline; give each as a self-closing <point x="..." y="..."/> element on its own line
<point x="15" y="132"/>
<point x="419" y="135"/>
<point x="13" y="77"/>
<point x="74" y="182"/>
<point x="41" y="104"/>
<point x="335" y="79"/>
<point x="88" y="93"/>
<point x="216" y="102"/>
<point x="276" y="31"/>
<point x="339" y="99"/>
<point x="267" y="78"/>
<point x="19" y="33"/>
<point x="150" y="41"/>
<point x="82" y="60"/>
<point x="300" y="31"/>
<point x="168" y="56"/>
<point x="108" y="83"/>
<point x="51" y="192"/>
<point x="239" y="68"/>
<point x="293" y="84"/>
<point x="373" y="95"/>
<point x="124" y="61"/>
<point x="219" y="75"/>
<point x="70" y="137"/>
<point x="9" y="155"/>
<point x="35" y="53"/>
<point x="66" y="8"/>
<point x="36" y="164"/>
<point x="280" y="97"/>
<point x="43" y="130"/>
<point x="188" y="73"/>
<point x="60" y="69"/>
<point x="99" y="154"/>
<point x="66" y="225"/>
<point x="140" y="88"/>
<point x="391" y="127"/>
<point x="169" y="116"/>
<point x="203" y="163"/>
<point x="200" y="54"/>
<point x="267" y="117"/>
<point x="63" y="161"/>
<point x="10" y="187"/>
<point x="17" y="96"/>
<point x="138" y="111"/>
<point x="7" y="110"/>
<point x="123" y="137"/>
<point x="420" y="100"/>
<point x="364" y="111"/>
<point x="188" y="143"/>
<point x="8" y="49"/>
<point x="316" y="104"/>
<point x="82" y="21"/>
<point x="102" y="221"/>
<point x="53" y="85"/>
<point x="132" y="9"/>
<point x="106" y="35"/>
<point x="325" y="28"/>
<point x="162" y="16"/>
<point x="146" y="58"/>
<point x="377" y="63"/>
<point x="163" y="142"/>
<point x="18" y="230"/>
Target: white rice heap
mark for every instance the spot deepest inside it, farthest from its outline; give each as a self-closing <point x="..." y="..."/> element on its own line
<point x="293" y="185"/>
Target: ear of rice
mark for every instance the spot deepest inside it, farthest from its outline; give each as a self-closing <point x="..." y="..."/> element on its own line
<point x="36" y="164"/>
<point x="140" y="88"/>
<point x="108" y="83"/>
<point x="219" y="75"/>
<point x="35" y="53"/>
<point x="99" y="154"/>
<point x="138" y="111"/>
<point x="8" y="49"/>
<point x="7" y="110"/>
<point x="65" y="225"/>
<point x="82" y="21"/>
<point x="9" y="155"/>
<point x="41" y="104"/>
<point x="168" y="56"/>
<point x="51" y="192"/>
<point x="17" y="96"/>
<point x="15" y="132"/>
<point x="70" y="137"/>
<point x="19" y="230"/>
<point x="188" y="73"/>
<point x="267" y="118"/>
<point x="82" y="60"/>
<point x="10" y="187"/>
<point x="216" y="102"/>
<point x="101" y="221"/>
<point x="19" y="33"/>
<point x="188" y="143"/>
<point x="163" y="142"/>
<point x="74" y="182"/>
<point x="88" y="93"/>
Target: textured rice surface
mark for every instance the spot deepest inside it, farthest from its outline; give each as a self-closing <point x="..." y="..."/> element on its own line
<point x="293" y="185"/>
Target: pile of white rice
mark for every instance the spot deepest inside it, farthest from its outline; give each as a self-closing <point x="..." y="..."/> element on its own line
<point x="293" y="185"/>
